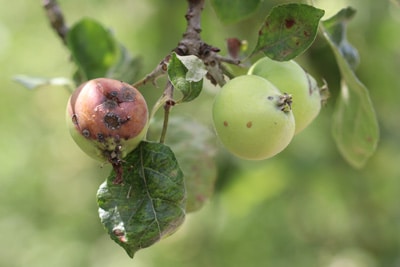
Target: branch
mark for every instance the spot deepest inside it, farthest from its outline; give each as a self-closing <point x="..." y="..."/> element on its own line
<point x="191" y="41"/>
<point x="56" y="18"/>
<point x="192" y="44"/>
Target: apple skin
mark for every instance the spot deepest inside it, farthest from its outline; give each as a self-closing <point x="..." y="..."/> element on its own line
<point x="289" y="77"/>
<point x="107" y="118"/>
<point x="252" y="118"/>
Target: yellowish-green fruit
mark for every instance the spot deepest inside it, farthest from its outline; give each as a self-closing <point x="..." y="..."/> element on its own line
<point x="252" y="118"/>
<point x="289" y="77"/>
<point x="107" y="118"/>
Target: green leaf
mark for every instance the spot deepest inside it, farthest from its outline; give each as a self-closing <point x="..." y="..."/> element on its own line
<point x="194" y="146"/>
<point x="186" y="74"/>
<point x="355" y="126"/>
<point x="288" y="31"/>
<point x="231" y="11"/>
<point x="33" y="83"/>
<point x="337" y="29"/>
<point x="149" y="204"/>
<point x="93" y="48"/>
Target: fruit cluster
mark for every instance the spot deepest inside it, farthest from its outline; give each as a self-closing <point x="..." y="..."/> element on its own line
<point x="256" y="115"/>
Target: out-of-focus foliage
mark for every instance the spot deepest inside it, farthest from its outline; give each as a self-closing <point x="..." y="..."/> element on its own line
<point x="305" y="207"/>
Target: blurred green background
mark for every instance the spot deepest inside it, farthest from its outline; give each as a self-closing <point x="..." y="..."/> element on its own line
<point x="305" y="207"/>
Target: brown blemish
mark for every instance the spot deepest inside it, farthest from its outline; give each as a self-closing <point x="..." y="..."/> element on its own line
<point x="113" y="95"/>
<point x="127" y="94"/>
<point x="306" y="34"/>
<point x="226" y="124"/>
<point x="164" y="67"/>
<point x="115" y="98"/>
<point x="170" y="102"/>
<point x="86" y="133"/>
<point x="74" y="119"/>
<point x="310" y="88"/>
<point x="110" y="104"/>
<point x="289" y="23"/>
<point x="120" y="235"/>
<point x="100" y="137"/>
<point x="249" y="124"/>
<point x="112" y="121"/>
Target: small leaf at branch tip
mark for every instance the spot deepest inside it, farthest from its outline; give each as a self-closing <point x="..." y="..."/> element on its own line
<point x="186" y="78"/>
<point x="196" y="68"/>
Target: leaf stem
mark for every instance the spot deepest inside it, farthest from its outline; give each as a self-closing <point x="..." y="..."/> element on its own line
<point x="169" y="103"/>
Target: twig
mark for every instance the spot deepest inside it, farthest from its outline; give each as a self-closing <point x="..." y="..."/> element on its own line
<point x="56" y="18"/>
<point x="159" y="71"/>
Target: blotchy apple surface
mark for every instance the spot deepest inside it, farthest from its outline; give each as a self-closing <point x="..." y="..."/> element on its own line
<point x="107" y="118"/>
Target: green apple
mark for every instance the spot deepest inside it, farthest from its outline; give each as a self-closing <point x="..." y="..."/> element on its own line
<point x="252" y="118"/>
<point x="290" y="78"/>
<point x="107" y="118"/>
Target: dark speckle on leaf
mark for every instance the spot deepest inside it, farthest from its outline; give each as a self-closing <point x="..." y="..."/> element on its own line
<point x="289" y="23"/>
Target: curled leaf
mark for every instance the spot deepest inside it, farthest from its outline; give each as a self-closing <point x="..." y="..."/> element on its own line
<point x="186" y="74"/>
<point x="336" y="27"/>
<point x="355" y="126"/>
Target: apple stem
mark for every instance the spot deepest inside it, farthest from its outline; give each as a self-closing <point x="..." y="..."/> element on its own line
<point x="169" y="103"/>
